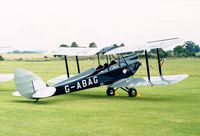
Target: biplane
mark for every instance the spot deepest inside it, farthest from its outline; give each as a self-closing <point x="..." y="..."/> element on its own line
<point x="117" y="73"/>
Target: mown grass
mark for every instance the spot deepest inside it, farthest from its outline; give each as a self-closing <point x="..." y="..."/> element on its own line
<point x="165" y="110"/>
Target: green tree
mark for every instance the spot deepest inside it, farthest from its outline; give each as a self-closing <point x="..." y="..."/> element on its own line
<point x="1" y="58"/>
<point x="192" y="47"/>
<point x="122" y="45"/>
<point x="74" y="44"/>
<point x="180" y="51"/>
<point x="63" y="45"/>
<point x="162" y="53"/>
<point x="115" y="45"/>
<point x="16" y="52"/>
<point x="92" y="45"/>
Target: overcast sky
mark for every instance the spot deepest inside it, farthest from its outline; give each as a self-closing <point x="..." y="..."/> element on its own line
<point x="45" y="24"/>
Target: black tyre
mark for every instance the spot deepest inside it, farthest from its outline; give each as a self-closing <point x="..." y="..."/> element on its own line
<point x="132" y="92"/>
<point x="110" y="92"/>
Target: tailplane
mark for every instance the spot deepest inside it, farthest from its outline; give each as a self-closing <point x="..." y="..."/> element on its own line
<point x="31" y="86"/>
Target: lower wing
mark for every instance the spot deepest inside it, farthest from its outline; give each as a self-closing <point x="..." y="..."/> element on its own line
<point x="6" y="77"/>
<point x="155" y="81"/>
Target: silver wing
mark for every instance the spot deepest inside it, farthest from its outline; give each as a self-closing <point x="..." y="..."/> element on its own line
<point x="82" y="51"/>
<point x="74" y="51"/>
<point x="6" y="77"/>
<point x="165" y="44"/>
<point x="155" y="81"/>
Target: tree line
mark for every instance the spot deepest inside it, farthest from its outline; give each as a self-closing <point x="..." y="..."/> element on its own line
<point x="74" y="44"/>
<point x="188" y="49"/>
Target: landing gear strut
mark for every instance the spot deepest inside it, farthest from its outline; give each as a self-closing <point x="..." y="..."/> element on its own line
<point x="36" y="100"/>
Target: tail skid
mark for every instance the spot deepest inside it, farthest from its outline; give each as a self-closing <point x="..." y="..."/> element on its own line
<point x="31" y="86"/>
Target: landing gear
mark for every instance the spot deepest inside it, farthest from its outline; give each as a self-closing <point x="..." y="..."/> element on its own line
<point x="132" y="92"/>
<point x="110" y="92"/>
<point x="36" y="100"/>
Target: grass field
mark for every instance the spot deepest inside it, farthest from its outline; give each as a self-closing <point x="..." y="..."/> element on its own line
<point x="166" y="110"/>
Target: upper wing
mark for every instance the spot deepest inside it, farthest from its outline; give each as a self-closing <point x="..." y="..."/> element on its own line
<point x="74" y="51"/>
<point x="77" y="51"/>
<point x="165" y="44"/>
<point x="155" y="81"/>
<point x="109" y="48"/>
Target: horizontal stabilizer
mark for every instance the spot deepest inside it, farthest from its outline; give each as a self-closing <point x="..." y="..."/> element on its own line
<point x="30" y="85"/>
<point x="155" y="81"/>
<point x="6" y="77"/>
<point x="45" y="92"/>
<point x="16" y="93"/>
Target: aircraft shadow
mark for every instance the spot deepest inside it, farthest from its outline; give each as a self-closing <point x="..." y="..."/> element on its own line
<point x="78" y="97"/>
<point x="140" y="98"/>
<point x="39" y="102"/>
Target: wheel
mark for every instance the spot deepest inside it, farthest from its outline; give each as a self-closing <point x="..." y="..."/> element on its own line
<point x="110" y="92"/>
<point x="132" y="92"/>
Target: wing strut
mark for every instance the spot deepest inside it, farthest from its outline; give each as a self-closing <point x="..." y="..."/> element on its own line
<point x="77" y="62"/>
<point x="98" y="58"/>
<point x="147" y="65"/>
<point x="126" y="63"/>
<point x="107" y="58"/>
<point x="119" y="60"/>
<point x="66" y="64"/>
<point x="110" y="58"/>
<point x="159" y="65"/>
